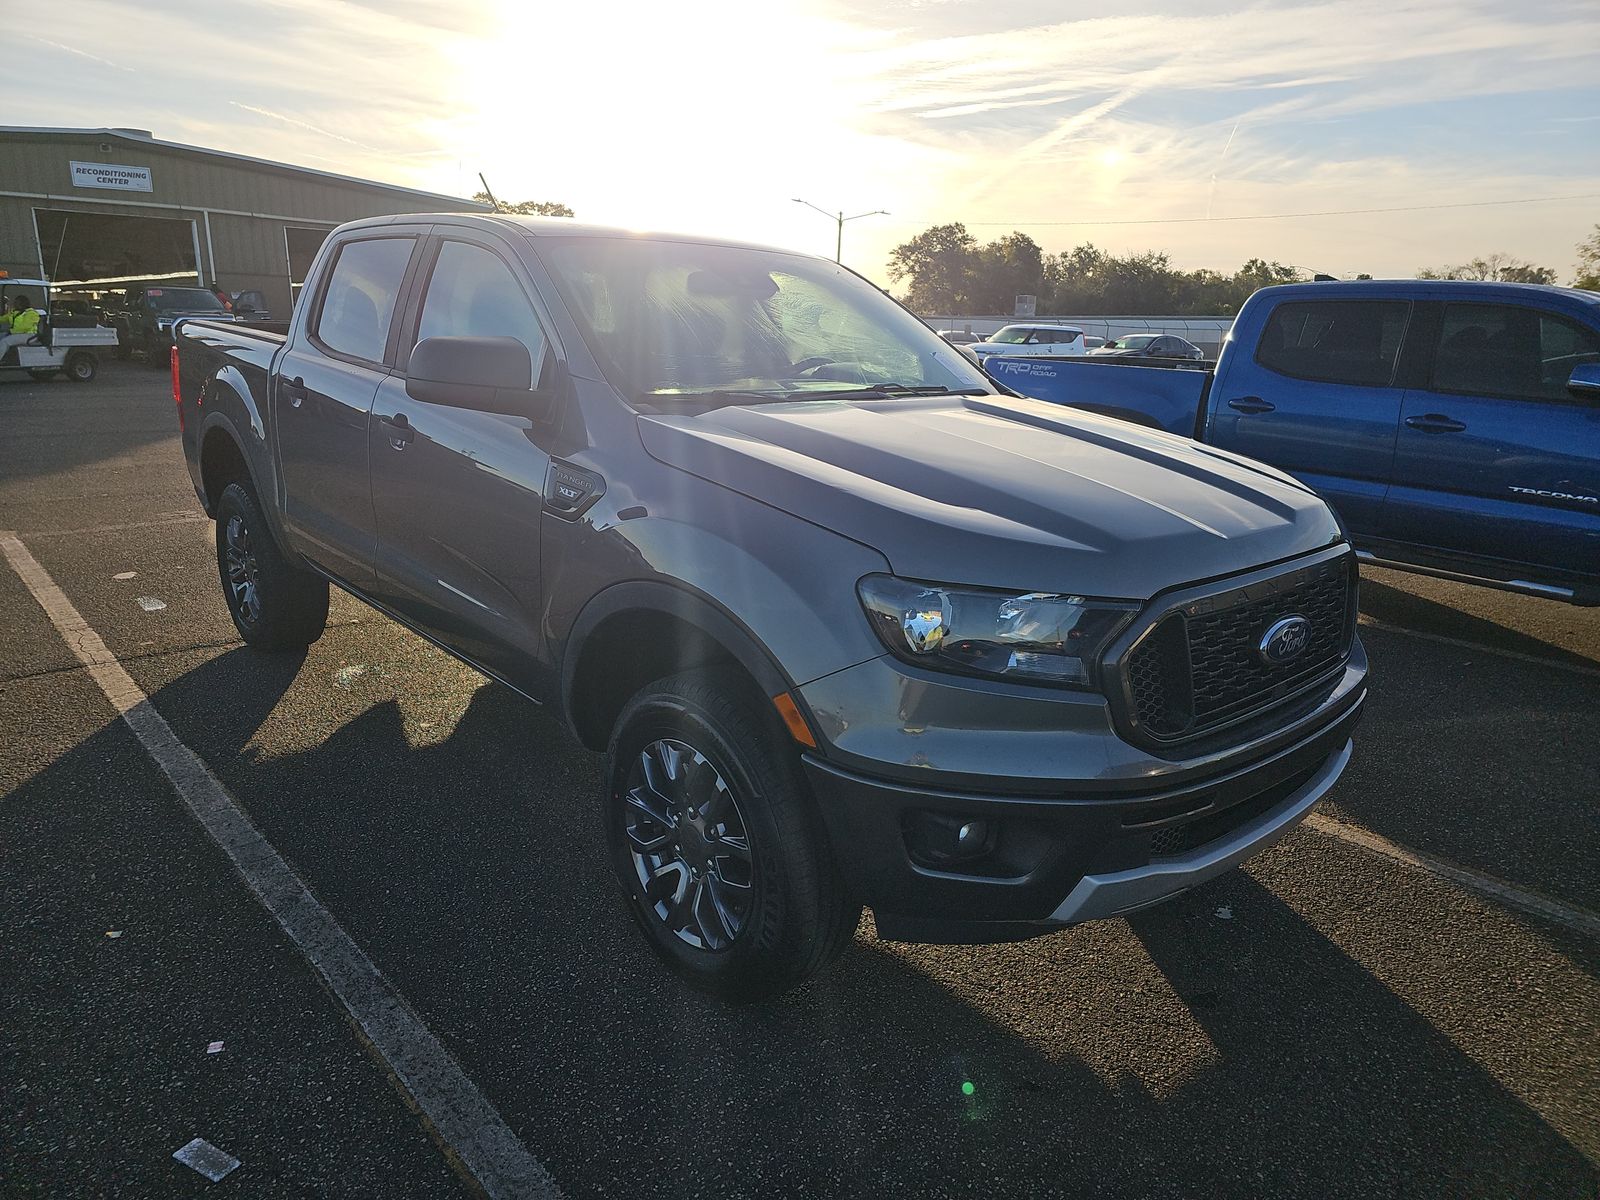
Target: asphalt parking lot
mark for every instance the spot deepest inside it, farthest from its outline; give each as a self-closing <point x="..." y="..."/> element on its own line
<point x="1332" y="1020"/>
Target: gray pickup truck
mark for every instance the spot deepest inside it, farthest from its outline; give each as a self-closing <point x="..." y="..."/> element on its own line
<point x="851" y="625"/>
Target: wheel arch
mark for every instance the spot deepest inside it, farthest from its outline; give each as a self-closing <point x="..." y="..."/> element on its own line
<point x="636" y="632"/>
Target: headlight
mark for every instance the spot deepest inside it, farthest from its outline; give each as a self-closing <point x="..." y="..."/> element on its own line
<point x="1032" y="638"/>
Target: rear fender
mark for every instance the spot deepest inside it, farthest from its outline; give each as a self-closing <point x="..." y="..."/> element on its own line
<point x="227" y="407"/>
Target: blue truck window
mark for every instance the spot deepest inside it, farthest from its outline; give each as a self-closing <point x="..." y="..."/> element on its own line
<point x="361" y="294"/>
<point x="1335" y="341"/>
<point x="1509" y="350"/>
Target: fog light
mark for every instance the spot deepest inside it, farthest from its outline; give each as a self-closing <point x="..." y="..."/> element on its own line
<point x="939" y="839"/>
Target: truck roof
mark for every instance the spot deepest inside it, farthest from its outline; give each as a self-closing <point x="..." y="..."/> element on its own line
<point x="1458" y="289"/>
<point x="562" y="227"/>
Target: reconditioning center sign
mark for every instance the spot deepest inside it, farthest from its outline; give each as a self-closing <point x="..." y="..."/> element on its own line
<point x="111" y="176"/>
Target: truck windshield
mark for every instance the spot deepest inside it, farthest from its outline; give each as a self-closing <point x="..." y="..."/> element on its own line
<point x="167" y="299"/>
<point x="671" y="318"/>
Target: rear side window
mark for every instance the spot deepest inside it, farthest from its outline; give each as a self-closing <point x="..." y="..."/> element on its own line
<point x="360" y="297"/>
<point x="1511" y="351"/>
<point x="1335" y="341"/>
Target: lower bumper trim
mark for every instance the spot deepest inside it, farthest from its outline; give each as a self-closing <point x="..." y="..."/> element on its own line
<point x="1117" y="893"/>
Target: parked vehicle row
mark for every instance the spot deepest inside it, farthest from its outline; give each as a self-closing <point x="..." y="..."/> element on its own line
<point x="851" y="626"/>
<point x="1455" y="426"/>
<point x="1150" y="346"/>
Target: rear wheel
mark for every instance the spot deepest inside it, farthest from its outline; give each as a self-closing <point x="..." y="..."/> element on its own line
<point x="715" y="841"/>
<point x="274" y="605"/>
<point x="81" y="367"/>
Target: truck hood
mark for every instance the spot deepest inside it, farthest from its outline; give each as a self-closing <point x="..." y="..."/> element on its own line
<point x="1001" y="492"/>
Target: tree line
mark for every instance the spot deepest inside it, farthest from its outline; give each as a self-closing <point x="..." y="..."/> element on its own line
<point x="945" y="270"/>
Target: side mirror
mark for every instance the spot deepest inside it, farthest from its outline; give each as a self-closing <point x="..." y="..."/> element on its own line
<point x="1584" y="382"/>
<point x="487" y="374"/>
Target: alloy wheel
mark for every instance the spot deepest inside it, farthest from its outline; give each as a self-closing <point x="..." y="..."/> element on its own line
<point x="240" y="560"/>
<point x="689" y="845"/>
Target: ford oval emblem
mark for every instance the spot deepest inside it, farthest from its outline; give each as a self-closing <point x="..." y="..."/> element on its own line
<point x="1284" y="640"/>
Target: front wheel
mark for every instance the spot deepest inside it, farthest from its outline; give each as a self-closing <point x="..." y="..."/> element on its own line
<point x="43" y="374"/>
<point x="274" y="605"/>
<point x="715" y="841"/>
<point x="81" y="367"/>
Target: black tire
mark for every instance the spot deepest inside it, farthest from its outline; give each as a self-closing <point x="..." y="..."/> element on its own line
<point x="124" y="350"/>
<point x="796" y="917"/>
<point x="155" y="352"/>
<point x="82" y="367"/>
<point x="43" y="374"/>
<point x="274" y="606"/>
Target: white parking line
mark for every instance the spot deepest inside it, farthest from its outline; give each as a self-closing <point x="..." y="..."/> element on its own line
<point x="472" y="1133"/>
<point x="1576" y="919"/>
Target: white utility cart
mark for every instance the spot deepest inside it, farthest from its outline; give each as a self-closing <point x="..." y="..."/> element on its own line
<point x="62" y="346"/>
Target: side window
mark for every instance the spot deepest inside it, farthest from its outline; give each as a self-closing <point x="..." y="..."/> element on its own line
<point x="1511" y="351"/>
<point x="472" y="293"/>
<point x="1335" y="341"/>
<point x="360" y="297"/>
<point x="1508" y="350"/>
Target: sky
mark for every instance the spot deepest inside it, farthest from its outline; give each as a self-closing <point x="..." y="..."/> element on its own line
<point x="1148" y="125"/>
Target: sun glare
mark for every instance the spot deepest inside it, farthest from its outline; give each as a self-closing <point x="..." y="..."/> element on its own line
<point x="706" y="121"/>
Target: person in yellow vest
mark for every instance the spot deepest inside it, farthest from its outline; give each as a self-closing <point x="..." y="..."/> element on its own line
<point x="20" y="324"/>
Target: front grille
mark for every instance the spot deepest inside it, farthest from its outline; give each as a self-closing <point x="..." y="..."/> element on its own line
<point x="1199" y="667"/>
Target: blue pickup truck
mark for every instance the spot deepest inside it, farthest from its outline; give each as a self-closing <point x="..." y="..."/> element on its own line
<point x="1454" y="426"/>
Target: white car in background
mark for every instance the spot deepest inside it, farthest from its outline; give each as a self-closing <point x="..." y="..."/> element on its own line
<point x="1053" y="341"/>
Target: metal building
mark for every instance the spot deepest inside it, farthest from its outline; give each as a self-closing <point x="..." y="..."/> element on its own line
<point x="99" y="209"/>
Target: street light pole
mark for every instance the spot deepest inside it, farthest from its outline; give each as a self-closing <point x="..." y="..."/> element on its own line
<point x="839" y="219"/>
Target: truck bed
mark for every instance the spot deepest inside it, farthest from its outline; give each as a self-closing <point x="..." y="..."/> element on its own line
<point x="1171" y="398"/>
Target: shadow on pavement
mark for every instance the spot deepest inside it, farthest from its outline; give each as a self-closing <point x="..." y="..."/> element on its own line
<point x="472" y="871"/>
<point x="103" y="1040"/>
<point x="1408" y="610"/>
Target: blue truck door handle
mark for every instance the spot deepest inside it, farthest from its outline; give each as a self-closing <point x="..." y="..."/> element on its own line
<point x="1434" y="423"/>
<point x="1251" y="404"/>
<point x="399" y="430"/>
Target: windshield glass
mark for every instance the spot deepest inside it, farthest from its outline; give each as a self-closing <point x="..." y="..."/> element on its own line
<point x="185" y="299"/>
<point x="1012" y="335"/>
<point x="1134" y="341"/>
<point x="680" y="318"/>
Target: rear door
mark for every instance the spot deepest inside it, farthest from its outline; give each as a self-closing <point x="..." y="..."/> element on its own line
<point x="323" y="391"/>
<point x="1319" y="400"/>
<point x="458" y="493"/>
<point x="1495" y="459"/>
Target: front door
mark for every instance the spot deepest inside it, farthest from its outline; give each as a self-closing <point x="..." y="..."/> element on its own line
<point x="458" y="493"/>
<point x="1495" y="459"/>
<point x="1320" y="400"/>
<point x="323" y="391"/>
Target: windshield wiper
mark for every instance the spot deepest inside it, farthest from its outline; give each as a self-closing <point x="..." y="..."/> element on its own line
<point x="712" y="398"/>
<point x="882" y="390"/>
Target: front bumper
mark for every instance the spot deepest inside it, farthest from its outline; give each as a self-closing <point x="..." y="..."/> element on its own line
<point x="1077" y="855"/>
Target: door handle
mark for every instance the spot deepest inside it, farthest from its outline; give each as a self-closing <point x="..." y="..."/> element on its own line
<point x="399" y="430"/>
<point x="295" y="390"/>
<point x="1251" y="404"/>
<point x="1434" y="423"/>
